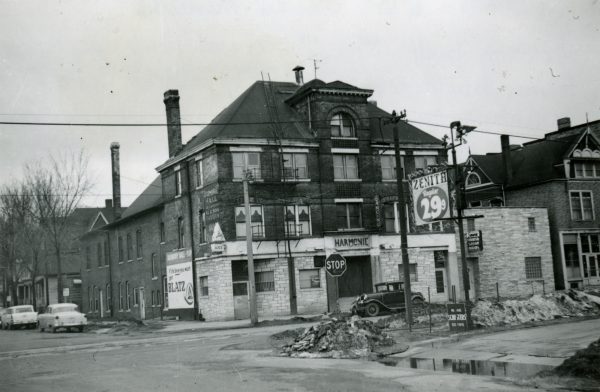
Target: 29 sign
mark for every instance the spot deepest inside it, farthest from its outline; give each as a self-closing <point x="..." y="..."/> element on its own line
<point x="430" y="197"/>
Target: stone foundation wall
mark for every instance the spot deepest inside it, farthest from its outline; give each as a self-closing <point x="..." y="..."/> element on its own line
<point x="311" y="300"/>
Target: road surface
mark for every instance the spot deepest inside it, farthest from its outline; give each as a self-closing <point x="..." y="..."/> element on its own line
<point x="241" y="360"/>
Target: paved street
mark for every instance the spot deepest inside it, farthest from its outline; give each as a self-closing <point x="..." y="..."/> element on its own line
<point x="241" y="359"/>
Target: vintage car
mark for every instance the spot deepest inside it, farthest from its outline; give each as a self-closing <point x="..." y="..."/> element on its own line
<point x="59" y="316"/>
<point x="19" y="316"/>
<point x="387" y="296"/>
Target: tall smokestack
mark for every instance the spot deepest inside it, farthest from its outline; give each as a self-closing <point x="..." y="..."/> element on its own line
<point x="116" y="174"/>
<point x="171" y="100"/>
<point x="506" y="162"/>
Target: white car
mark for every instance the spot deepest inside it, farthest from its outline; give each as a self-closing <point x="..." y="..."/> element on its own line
<point x="59" y="316"/>
<point x="17" y="316"/>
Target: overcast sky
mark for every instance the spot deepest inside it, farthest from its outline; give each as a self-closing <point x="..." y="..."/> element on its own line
<point x="504" y="66"/>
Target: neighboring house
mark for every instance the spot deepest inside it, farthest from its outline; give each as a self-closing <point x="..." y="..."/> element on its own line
<point x="560" y="173"/>
<point x="80" y="221"/>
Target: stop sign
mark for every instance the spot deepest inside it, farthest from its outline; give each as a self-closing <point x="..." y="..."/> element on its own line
<point x="335" y="264"/>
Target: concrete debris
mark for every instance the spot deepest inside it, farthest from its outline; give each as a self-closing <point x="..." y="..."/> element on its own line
<point x="571" y="303"/>
<point x="338" y="338"/>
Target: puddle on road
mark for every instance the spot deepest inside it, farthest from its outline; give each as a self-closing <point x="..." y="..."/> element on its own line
<point x="471" y="367"/>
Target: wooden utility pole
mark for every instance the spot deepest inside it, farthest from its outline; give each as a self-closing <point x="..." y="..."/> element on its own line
<point x="402" y="218"/>
<point x="251" y="280"/>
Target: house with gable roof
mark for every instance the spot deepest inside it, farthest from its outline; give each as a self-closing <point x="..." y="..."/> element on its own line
<point x="560" y="173"/>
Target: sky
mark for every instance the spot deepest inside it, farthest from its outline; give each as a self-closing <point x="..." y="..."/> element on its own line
<point x="504" y="66"/>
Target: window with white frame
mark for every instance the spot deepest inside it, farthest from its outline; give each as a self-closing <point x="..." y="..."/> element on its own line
<point x="388" y="167"/>
<point x="533" y="267"/>
<point x="412" y="270"/>
<point x="120" y="296"/>
<point x="203" y="284"/>
<point x="297" y="221"/>
<point x="199" y="173"/>
<point x="108" y="297"/>
<point x="257" y="222"/>
<point x="345" y="166"/>
<point x="178" y="182"/>
<point x="265" y="281"/>
<point x="127" y="296"/>
<point x="472" y="180"/>
<point x="136" y="296"/>
<point x="349" y="216"/>
<point x="295" y="165"/>
<point x="423" y="161"/>
<point x="342" y="125"/>
<point x="129" y="247"/>
<point x="310" y="278"/>
<point x="157" y="297"/>
<point x="531" y="224"/>
<point x="246" y="161"/>
<point x="152" y="299"/>
<point x="582" y="208"/>
<point x="392" y="217"/>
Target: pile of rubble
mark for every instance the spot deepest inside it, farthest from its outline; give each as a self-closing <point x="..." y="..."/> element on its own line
<point x="572" y="303"/>
<point x="584" y="363"/>
<point x="339" y="338"/>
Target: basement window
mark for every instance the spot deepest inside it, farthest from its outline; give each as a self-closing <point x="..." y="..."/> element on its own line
<point x="533" y="267"/>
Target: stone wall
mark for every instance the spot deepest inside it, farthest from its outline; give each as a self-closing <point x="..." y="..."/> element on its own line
<point x="310" y="300"/>
<point x="507" y="241"/>
<point x="277" y="302"/>
<point x="218" y="305"/>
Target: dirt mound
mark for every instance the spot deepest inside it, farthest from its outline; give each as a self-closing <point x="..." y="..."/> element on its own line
<point x="572" y="303"/>
<point x="339" y="338"/>
<point x="584" y="363"/>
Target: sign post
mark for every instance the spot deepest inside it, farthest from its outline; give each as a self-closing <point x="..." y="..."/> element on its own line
<point x="457" y="317"/>
<point x="335" y="264"/>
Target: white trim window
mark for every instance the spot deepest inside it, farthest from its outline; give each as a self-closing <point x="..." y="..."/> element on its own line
<point x="136" y="297"/>
<point x="349" y="216"/>
<point x="257" y="221"/>
<point x="392" y="218"/>
<point x="120" y="296"/>
<point x="297" y="221"/>
<point x="180" y="233"/>
<point x="199" y="173"/>
<point x="178" y="183"/>
<point x="342" y="125"/>
<point x="246" y="161"/>
<point x="423" y="161"/>
<point x="582" y="207"/>
<point x="154" y="266"/>
<point x="202" y="230"/>
<point x="388" y="167"/>
<point x="295" y="166"/>
<point x="203" y="285"/>
<point x="345" y="167"/>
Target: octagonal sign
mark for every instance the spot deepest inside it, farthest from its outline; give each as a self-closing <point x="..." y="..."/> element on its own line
<point x="335" y="264"/>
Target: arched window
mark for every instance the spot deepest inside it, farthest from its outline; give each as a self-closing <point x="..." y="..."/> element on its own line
<point x="473" y="179"/>
<point x="342" y="126"/>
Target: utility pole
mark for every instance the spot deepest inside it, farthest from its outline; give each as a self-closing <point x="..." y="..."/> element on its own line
<point x="461" y="130"/>
<point x="251" y="282"/>
<point x="402" y="216"/>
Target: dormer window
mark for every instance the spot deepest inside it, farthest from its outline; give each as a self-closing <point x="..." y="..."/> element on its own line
<point x="473" y="179"/>
<point x="342" y="126"/>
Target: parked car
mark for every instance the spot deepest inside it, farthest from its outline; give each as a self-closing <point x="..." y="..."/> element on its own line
<point x="58" y="316"/>
<point x="387" y="296"/>
<point x="18" y="316"/>
<point x="2" y="311"/>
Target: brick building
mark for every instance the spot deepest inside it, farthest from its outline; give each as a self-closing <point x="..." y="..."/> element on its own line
<point x="560" y="173"/>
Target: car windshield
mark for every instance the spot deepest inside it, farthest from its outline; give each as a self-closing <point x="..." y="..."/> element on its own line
<point x="24" y="310"/>
<point x="64" y="308"/>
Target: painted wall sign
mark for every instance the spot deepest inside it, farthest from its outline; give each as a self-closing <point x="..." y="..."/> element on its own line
<point x="352" y="242"/>
<point x="430" y="197"/>
<point x="180" y="287"/>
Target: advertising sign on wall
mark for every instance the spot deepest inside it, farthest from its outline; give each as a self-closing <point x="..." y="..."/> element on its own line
<point x="430" y="197"/>
<point x="180" y="287"/>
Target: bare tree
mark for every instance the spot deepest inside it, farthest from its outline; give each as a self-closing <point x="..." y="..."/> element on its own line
<point x="57" y="189"/>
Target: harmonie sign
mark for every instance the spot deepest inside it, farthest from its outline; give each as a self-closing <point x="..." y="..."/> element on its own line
<point x="430" y="197"/>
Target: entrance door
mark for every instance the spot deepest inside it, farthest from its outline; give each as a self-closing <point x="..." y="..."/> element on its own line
<point x="357" y="278"/>
<point x="101" y="303"/>
<point x="142" y="305"/>
<point x="241" y="302"/>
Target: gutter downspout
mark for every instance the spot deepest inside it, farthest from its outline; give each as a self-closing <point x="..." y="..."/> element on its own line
<point x="192" y="244"/>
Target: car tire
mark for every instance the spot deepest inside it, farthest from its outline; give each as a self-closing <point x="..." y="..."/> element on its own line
<point x="80" y="329"/>
<point x="372" y="310"/>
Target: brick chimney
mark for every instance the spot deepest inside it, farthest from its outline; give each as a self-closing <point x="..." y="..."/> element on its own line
<point x="116" y="174"/>
<point x="563" y="123"/>
<point x="171" y="100"/>
<point x="108" y="203"/>
<point x="506" y="162"/>
<point x="299" y="77"/>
